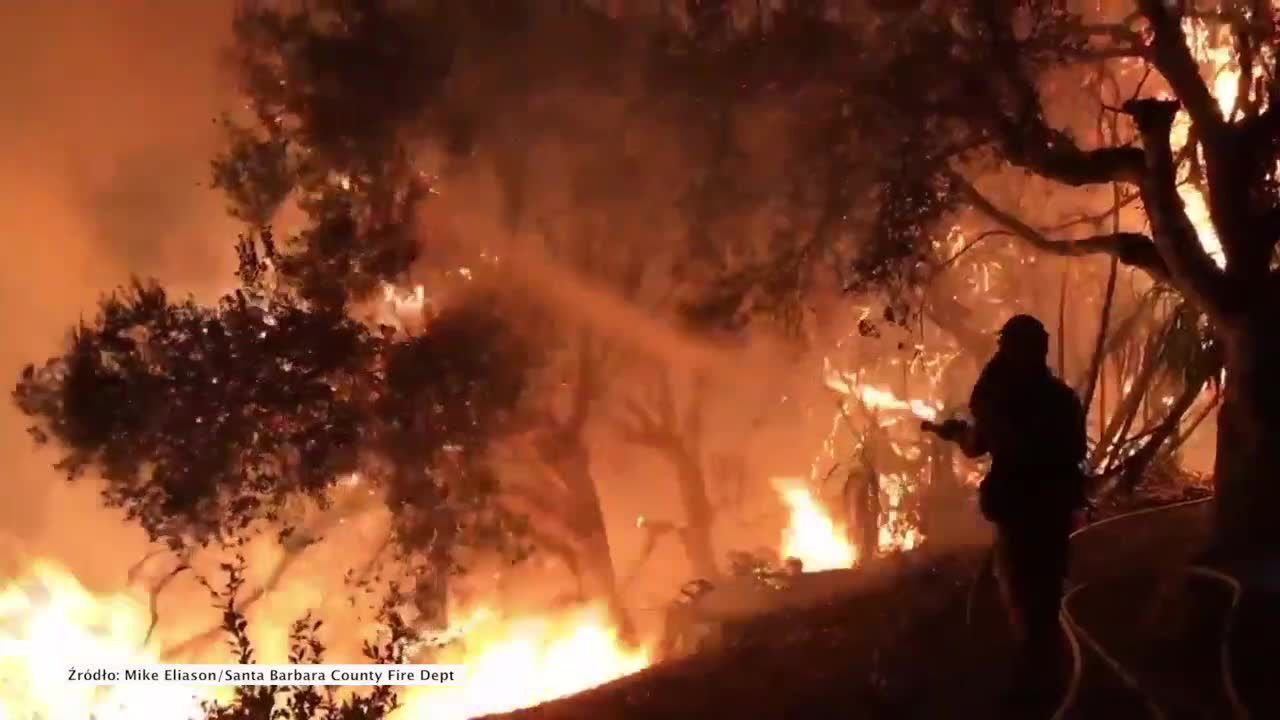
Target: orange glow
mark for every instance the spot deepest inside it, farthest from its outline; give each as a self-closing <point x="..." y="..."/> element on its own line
<point x="517" y="662"/>
<point x="405" y="302"/>
<point x="1225" y="86"/>
<point x="48" y="620"/>
<point x="896" y="533"/>
<point x="878" y="398"/>
<point x="811" y="536"/>
<point x="811" y="531"/>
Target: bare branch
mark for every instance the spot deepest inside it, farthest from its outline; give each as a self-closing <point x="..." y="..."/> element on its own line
<point x="1133" y="249"/>
<point x="644" y="427"/>
<point x="654" y="531"/>
<point x="154" y="603"/>
<point x="1093" y="219"/>
<point x="1025" y="138"/>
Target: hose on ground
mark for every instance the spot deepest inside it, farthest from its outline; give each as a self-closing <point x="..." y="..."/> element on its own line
<point x="1077" y="669"/>
<point x="1076" y="635"/>
<point x="1228" y="626"/>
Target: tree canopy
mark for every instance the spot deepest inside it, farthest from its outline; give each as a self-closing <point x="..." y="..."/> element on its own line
<point x="206" y="420"/>
<point x="819" y="144"/>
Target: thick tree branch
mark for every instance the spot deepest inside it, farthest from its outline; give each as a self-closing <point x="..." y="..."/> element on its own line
<point x="1133" y="249"/>
<point x="1026" y="140"/>
<point x="1189" y="266"/>
<point x="1058" y="159"/>
<point x="659" y="425"/>
<point x="647" y="428"/>
<point x="1173" y="58"/>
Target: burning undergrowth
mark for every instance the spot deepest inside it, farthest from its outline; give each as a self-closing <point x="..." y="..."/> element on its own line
<point x="495" y="355"/>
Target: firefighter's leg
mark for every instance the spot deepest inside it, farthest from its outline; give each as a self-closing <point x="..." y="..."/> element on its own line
<point x="1040" y="595"/>
<point x="1005" y="569"/>
<point x="1031" y="584"/>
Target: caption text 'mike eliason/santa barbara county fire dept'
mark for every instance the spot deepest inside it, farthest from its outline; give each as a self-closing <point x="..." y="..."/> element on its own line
<point x="349" y="675"/>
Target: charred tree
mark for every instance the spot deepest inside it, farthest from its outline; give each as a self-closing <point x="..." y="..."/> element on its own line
<point x="961" y="91"/>
<point x="677" y="434"/>
<point x="1242" y="204"/>
<point x="571" y="502"/>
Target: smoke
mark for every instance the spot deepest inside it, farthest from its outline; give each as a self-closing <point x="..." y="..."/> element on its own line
<point x="106" y="133"/>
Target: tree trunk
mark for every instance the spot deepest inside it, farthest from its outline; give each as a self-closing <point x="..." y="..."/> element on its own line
<point x="571" y="460"/>
<point x="699" y="517"/>
<point x="603" y="583"/>
<point x="1247" y="466"/>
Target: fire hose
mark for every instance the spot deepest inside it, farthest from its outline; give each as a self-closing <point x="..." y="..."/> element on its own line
<point x="1077" y="635"/>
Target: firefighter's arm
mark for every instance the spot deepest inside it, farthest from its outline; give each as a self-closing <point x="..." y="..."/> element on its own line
<point x="971" y="441"/>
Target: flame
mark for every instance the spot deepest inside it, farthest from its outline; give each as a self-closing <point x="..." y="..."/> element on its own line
<point x="518" y="662"/>
<point x="876" y="397"/>
<point x="405" y="302"/>
<point x="47" y="621"/>
<point x="896" y="533"/>
<point x="1225" y="86"/>
<point x="812" y="537"/>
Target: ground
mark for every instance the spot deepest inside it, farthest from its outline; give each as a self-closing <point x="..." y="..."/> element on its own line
<point x="905" y="650"/>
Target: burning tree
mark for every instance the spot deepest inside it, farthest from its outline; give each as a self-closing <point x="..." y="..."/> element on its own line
<point x="305" y="702"/>
<point x="212" y="421"/>
<point x="1001" y="56"/>
<point x="209" y="421"/>
<point x="971" y="94"/>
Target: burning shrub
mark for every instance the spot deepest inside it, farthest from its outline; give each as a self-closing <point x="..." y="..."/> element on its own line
<point x="206" y="421"/>
<point x="282" y="702"/>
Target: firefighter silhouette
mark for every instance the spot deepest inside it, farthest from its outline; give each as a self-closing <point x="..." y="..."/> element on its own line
<point x="1033" y="426"/>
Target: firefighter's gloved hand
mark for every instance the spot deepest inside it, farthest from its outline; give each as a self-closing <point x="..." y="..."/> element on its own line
<point x="951" y="430"/>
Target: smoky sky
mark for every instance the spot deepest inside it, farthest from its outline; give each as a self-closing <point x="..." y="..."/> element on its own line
<point x="106" y="131"/>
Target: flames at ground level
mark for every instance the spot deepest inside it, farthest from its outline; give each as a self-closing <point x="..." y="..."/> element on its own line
<point x="821" y="543"/>
<point x="48" y="620"/>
